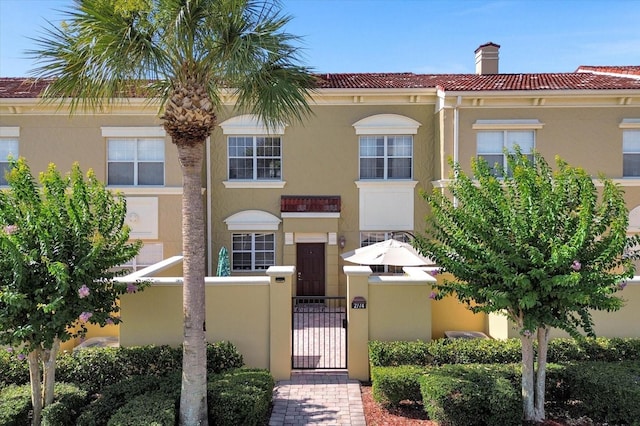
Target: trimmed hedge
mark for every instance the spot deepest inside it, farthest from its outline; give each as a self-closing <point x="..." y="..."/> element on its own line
<point x="15" y="405"/>
<point x="390" y="385"/>
<point x="95" y="368"/>
<point x="153" y="409"/>
<point x="489" y="351"/>
<point x="469" y="395"/>
<point x="240" y="397"/>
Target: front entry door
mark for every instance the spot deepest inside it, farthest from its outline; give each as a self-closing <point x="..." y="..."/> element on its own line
<point x="310" y="267"/>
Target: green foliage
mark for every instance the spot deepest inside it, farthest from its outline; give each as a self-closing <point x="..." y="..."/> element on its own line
<point x="489" y="351"/>
<point x="240" y="397"/>
<point x="222" y="356"/>
<point x="605" y="392"/>
<point x="390" y="385"/>
<point x="472" y="394"/>
<point x="153" y="409"/>
<point x="15" y="405"/>
<point x="59" y="244"/>
<point x="543" y="245"/>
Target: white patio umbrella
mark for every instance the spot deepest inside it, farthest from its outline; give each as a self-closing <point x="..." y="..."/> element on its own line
<point x="388" y="252"/>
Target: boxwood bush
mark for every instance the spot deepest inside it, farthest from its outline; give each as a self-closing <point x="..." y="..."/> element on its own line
<point x="240" y="397"/>
<point x="472" y="394"/>
<point x="153" y="408"/>
<point x="489" y="351"/>
<point x="390" y="385"/>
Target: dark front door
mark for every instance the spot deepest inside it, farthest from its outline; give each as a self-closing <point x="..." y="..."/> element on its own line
<point x="310" y="267"/>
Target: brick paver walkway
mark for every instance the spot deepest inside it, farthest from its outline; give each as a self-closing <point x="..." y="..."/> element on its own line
<point x="317" y="398"/>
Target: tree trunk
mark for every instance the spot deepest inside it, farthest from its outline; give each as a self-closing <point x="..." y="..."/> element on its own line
<point x="36" y="385"/>
<point x="193" y="398"/>
<point x="528" y="393"/>
<point x="49" y="376"/>
<point x="541" y="376"/>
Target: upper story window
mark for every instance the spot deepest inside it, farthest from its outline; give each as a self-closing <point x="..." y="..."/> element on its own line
<point x="135" y="155"/>
<point x="254" y="158"/>
<point x="496" y="136"/>
<point x="386" y="146"/>
<point x="386" y="157"/>
<point x="254" y="152"/>
<point x="630" y="147"/>
<point x="8" y="149"/>
<point x="368" y="238"/>
<point x="150" y="254"/>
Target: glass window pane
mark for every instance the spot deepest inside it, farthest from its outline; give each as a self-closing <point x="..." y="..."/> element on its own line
<point x="269" y="169"/>
<point x="4" y="168"/>
<point x="150" y="150"/>
<point x="371" y="146"/>
<point x="120" y="173"/>
<point x="240" y="146"/>
<point x="372" y="168"/>
<point x="631" y="165"/>
<point x="150" y="173"/>
<point x="631" y="141"/>
<point x="523" y="138"/>
<point x="399" y="168"/>
<point x="400" y="146"/>
<point x="122" y="150"/>
<point x="240" y="168"/>
<point x="490" y="142"/>
<point x="495" y="162"/>
<point x="8" y="148"/>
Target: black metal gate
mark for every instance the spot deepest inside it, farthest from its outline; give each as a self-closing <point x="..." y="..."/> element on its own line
<point x="319" y="338"/>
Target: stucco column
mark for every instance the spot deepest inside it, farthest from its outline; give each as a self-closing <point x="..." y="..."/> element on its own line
<point x="280" y="321"/>
<point x="358" y="321"/>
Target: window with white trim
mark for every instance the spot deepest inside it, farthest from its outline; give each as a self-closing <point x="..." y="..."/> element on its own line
<point x="149" y="254"/>
<point x="386" y="157"/>
<point x="135" y="161"/>
<point x="368" y="238"/>
<point x="252" y="251"/>
<point x="631" y="153"/>
<point x="491" y="146"/>
<point x="254" y="158"/>
<point x="8" y="149"/>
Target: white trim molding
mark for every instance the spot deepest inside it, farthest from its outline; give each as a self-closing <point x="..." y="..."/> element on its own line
<point x="256" y="184"/>
<point x="630" y="123"/>
<point x="522" y="124"/>
<point x="252" y="220"/>
<point x="133" y="132"/>
<point x="9" y="131"/>
<point x="249" y="124"/>
<point x="386" y="124"/>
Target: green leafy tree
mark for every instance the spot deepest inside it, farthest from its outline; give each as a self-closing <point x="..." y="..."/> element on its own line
<point x="59" y="243"/>
<point x="195" y="56"/>
<point x="542" y="246"/>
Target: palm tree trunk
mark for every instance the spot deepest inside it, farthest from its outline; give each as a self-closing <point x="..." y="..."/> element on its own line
<point x="193" y="399"/>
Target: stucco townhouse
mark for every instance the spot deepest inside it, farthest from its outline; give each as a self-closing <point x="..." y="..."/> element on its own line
<point x="350" y="174"/>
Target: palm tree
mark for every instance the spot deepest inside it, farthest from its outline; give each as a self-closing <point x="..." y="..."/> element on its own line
<point x="185" y="53"/>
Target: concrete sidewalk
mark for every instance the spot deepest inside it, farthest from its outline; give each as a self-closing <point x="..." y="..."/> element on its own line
<point x="317" y="398"/>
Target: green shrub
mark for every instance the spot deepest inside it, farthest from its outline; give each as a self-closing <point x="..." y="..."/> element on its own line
<point x="12" y="370"/>
<point x="605" y="392"/>
<point x="153" y="409"/>
<point x="240" y="397"/>
<point x="15" y="404"/>
<point x="222" y="356"/>
<point x="471" y="394"/>
<point x="594" y="349"/>
<point x="475" y="351"/>
<point x="390" y="385"/>
<point x="387" y="354"/>
<point x="115" y="396"/>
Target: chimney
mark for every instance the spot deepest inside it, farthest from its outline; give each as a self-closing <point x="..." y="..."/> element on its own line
<point x="487" y="58"/>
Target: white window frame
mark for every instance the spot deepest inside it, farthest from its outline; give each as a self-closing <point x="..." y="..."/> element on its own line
<point x="387" y="156"/>
<point x="251" y="238"/>
<point x="9" y="147"/>
<point x="255" y="158"/>
<point x="630" y="142"/>
<point x="136" y="135"/>
<point x="506" y="127"/>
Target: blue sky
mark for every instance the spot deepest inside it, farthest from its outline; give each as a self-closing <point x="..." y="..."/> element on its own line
<point x="421" y="36"/>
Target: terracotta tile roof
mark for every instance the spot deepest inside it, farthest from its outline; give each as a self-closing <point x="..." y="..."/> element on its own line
<point x="589" y="78"/>
<point x="629" y="70"/>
